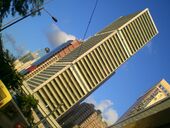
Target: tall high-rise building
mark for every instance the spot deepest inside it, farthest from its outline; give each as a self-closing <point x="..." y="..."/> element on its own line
<point x="69" y="80"/>
<point x="151" y="110"/>
<point x="82" y="116"/>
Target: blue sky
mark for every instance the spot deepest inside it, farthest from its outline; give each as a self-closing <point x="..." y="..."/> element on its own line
<point x="133" y="78"/>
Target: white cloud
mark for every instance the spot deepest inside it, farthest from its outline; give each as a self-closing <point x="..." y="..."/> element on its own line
<point x="19" y="49"/>
<point x="109" y="114"/>
<point x="57" y="37"/>
<point x="104" y="104"/>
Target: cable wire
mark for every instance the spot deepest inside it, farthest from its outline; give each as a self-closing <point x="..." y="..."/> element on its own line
<point x="85" y="33"/>
<point x="90" y="19"/>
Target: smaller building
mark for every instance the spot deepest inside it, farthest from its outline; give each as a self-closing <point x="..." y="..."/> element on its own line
<point x="151" y="110"/>
<point x="51" y="57"/>
<point x="27" y="57"/>
<point x="82" y="116"/>
<point x="27" y="60"/>
<point x="33" y="62"/>
<point x="94" y="121"/>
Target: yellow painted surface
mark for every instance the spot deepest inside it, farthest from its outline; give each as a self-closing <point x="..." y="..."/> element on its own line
<point x="165" y="84"/>
<point x="5" y="96"/>
<point x="157" y="98"/>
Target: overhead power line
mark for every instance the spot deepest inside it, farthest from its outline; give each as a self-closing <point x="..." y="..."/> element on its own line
<point x="90" y="19"/>
<point x="85" y="33"/>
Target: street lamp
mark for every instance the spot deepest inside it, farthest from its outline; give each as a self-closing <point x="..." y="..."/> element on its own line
<point x="27" y="15"/>
<point x="53" y="18"/>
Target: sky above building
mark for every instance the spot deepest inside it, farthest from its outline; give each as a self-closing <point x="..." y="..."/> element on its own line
<point x="133" y="78"/>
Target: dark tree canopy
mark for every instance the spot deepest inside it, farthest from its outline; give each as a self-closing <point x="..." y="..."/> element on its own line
<point x="25" y="103"/>
<point x="22" y="7"/>
<point x="8" y="74"/>
<point x="11" y="78"/>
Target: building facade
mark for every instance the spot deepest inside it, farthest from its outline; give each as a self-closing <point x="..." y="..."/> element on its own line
<point x="93" y="121"/>
<point x="150" y="110"/>
<point x="24" y="62"/>
<point x="82" y="116"/>
<point x="66" y="82"/>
